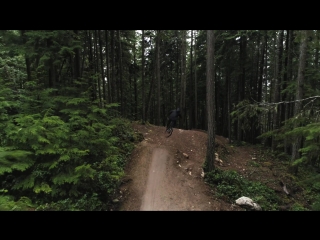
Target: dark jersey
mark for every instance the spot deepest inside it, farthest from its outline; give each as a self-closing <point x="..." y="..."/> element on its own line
<point x="174" y="114"/>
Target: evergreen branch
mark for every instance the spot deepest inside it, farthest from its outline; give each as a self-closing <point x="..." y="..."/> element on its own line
<point x="300" y="100"/>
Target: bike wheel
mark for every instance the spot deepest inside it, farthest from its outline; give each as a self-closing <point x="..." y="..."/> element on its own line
<point x="169" y="131"/>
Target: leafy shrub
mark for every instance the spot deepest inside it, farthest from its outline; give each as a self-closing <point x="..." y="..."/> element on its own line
<point x="67" y="151"/>
<point x="316" y="204"/>
<point x="234" y="186"/>
<point x="298" y="207"/>
<point x="7" y="203"/>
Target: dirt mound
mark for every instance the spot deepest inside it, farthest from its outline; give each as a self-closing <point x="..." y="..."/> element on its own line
<point x="166" y="173"/>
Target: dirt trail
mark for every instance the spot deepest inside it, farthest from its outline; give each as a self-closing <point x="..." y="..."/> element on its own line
<point x="152" y="198"/>
<point x="165" y="174"/>
<point x="161" y="178"/>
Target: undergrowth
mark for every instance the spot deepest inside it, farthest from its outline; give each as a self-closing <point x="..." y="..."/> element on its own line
<point x="233" y="186"/>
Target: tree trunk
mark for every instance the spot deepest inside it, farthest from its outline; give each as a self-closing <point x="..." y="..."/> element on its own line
<point x="299" y="91"/>
<point x="183" y="78"/>
<point x="177" y="85"/>
<point x="152" y="76"/>
<point x="51" y="72"/>
<point x="260" y="81"/>
<point x="210" y="92"/>
<point x="104" y="95"/>
<point x="191" y="107"/>
<point x="315" y="81"/>
<point x="77" y="59"/>
<point x="97" y="67"/>
<point x="91" y="79"/>
<point x="113" y="74"/>
<point x="228" y="82"/>
<point x="277" y="82"/>
<point x="135" y="84"/>
<point x="123" y="98"/>
<point x="287" y="79"/>
<point x="108" y="66"/>
<point x="263" y="48"/>
<point x="195" y="86"/>
<point x="27" y="59"/>
<point x="158" y="77"/>
<point x="142" y="81"/>
<point x="241" y="84"/>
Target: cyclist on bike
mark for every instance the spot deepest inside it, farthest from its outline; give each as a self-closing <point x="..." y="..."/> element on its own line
<point x="172" y="117"/>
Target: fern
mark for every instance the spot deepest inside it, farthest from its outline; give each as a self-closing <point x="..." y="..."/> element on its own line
<point x="43" y="187"/>
<point x="76" y="101"/>
<point x="15" y="160"/>
<point x="67" y="176"/>
<point x="25" y="183"/>
<point x="85" y="171"/>
<point x="62" y="146"/>
<point x="7" y="203"/>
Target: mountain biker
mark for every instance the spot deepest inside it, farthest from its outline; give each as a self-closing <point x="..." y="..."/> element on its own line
<point x="172" y="117"/>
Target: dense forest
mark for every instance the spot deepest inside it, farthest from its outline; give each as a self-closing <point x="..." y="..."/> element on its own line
<point x="67" y="98"/>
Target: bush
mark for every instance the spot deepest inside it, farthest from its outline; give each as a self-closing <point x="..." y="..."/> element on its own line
<point x="70" y="154"/>
<point x="234" y="186"/>
<point x="7" y="203"/>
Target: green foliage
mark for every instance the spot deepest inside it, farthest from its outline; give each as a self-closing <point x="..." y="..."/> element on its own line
<point x="43" y="187"/>
<point x="316" y="204"/>
<point x="62" y="148"/>
<point x="234" y="186"/>
<point x="304" y="125"/>
<point x="254" y="164"/>
<point x="311" y="149"/>
<point x="298" y="207"/>
<point x="245" y="111"/>
<point x="8" y="204"/>
<point x="87" y="202"/>
<point x="15" y="160"/>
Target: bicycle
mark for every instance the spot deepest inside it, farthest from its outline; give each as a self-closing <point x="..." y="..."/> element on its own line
<point x="169" y="129"/>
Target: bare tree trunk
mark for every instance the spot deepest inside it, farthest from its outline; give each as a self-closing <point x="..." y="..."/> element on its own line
<point x="177" y="85"/>
<point x="210" y="92"/>
<point x="228" y="83"/>
<point x="97" y="67"/>
<point x="52" y="71"/>
<point x="142" y="80"/>
<point x="135" y="84"/>
<point x="195" y="86"/>
<point x="84" y="55"/>
<point x="287" y="78"/>
<point x="149" y="100"/>
<point x="123" y="98"/>
<point x="183" y="77"/>
<point x="191" y="106"/>
<point x="104" y="95"/>
<point x="113" y="74"/>
<point x="299" y="92"/>
<point x="276" y="94"/>
<point x="91" y="79"/>
<point x="261" y="66"/>
<point x="27" y="59"/>
<point x="315" y="82"/>
<point x="108" y="66"/>
<point x="77" y="60"/>
<point x="158" y="77"/>
<point x="241" y="86"/>
<point x="267" y="115"/>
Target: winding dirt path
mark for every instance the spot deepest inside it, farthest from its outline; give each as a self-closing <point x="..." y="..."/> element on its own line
<point x="161" y="178"/>
<point x="152" y="198"/>
<point x="165" y="174"/>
